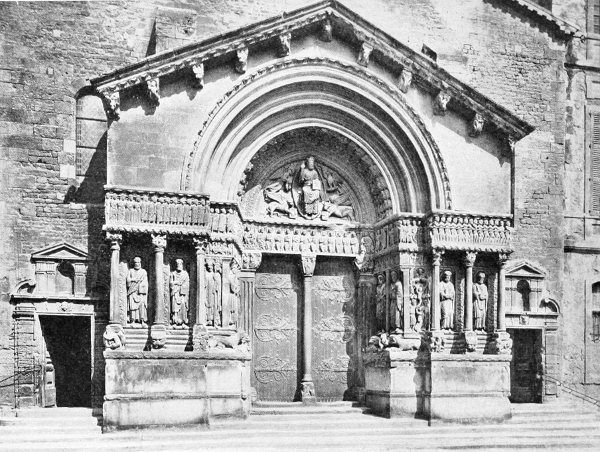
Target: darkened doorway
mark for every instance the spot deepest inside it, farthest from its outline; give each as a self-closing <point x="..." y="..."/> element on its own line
<point x="526" y="366"/>
<point x="68" y="348"/>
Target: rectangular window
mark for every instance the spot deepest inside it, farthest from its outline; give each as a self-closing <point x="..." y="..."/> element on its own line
<point x="596" y="326"/>
<point x="593" y="144"/>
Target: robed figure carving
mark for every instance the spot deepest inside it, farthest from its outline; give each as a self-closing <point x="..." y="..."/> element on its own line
<point x="137" y="294"/>
<point x="213" y="293"/>
<point x="447" y="295"/>
<point x="179" y="284"/>
<point x="233" y="304"/>
<point x="310" y="198"/>
<point x="396" y="302"/>
<point x="480" y="298"/>
<point x="380" y="302"/>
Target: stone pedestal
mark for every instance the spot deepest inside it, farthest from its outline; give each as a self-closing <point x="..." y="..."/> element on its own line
<point x="397" y="383"/>
<point x="469" y="388"/>
<point x="439" y="387"/>
<point x="161" y="388"/>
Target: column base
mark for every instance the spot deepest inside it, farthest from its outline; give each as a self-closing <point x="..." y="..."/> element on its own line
<point x="470" y="341"/>
<point x="307" y="393"/>
<point x="114" y="336"/>
<point x="158" y="336"/>
<point x="200" y="337"/>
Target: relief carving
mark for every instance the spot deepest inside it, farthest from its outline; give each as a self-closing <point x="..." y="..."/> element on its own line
<point x="440" y="103"/>
<point x="380" y="303"/>
<point x="213" y="292"/>
<point x="364" y="54"/>
<point x="241" y="62"/>
<point x="153" y="91"/>
<point x="396" y="302"/>
<point x="326" y="31"/>
<point x="285" y="41"/>
<point x="269" y="369"/>
<point x="447" y="295"/>
<point x="480" y="298"/>
<point x="198" y="70"/>
<point x="405" y="80"/>
<point x="179" y="286"/>
<point x="271" y="327"/>
<point x="137" y="295"/>
<point x="476" y="125"/>
<point x="419" y="301"/>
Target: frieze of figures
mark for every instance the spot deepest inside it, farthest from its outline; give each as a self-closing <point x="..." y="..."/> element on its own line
<point x="299" y="239"/>
<point x="136" y="208"/>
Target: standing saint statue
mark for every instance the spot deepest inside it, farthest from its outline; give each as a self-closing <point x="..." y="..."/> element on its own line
<point x="210" y="290"/>
<point x="217" y="295"/>
<point x="137" y="294"/>
<point x="480" y="298"/>
<point x="380" y="314"/>
<point x="447" y="301"/>
<point x="311" y="189"/>
<point x="179" y="284"/>
<point x="396" y="302"/>
<point x="234" y="294"/>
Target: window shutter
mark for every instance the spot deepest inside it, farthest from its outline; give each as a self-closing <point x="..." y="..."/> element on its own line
<point x="595" y="160"/>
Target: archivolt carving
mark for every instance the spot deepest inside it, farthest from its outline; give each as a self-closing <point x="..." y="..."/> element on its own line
<point x="392" y="91"/>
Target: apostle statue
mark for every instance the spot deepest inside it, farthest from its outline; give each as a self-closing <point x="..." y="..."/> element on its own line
<point x="380" y="314"/>
<point x="396" y="302"/>
<point x="480" y="298"/>
<point x="213" y="293"/>
<point x="447" y="301"/>
<point x="179" y="284"/>
<point x="234" y="294"/>
<point x="311" y="188"/>
<point x="137" y="294"/>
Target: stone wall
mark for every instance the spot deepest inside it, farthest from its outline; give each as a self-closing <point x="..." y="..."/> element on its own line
<point x="49" y="50"/>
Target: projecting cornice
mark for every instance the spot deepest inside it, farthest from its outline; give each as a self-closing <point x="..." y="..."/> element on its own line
<point x="325" y="19"/>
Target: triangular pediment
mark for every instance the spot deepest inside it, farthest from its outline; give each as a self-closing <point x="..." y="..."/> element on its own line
<point x="525" y="269"/>
<point x="328" y="20"/>
<point x="60" y="252"/>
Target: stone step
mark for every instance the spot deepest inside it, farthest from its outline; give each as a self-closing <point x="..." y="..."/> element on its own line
<point x="301" y="409"/>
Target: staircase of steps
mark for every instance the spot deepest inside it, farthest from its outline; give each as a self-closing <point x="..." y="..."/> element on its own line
<point x="338" y="426"/>
<point x="137" y="339"/>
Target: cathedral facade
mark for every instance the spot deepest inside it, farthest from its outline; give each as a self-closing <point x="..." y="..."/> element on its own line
<point x="212" y="204"/>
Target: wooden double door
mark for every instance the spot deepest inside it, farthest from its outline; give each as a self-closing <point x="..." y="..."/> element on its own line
<point x="278" y="336"/>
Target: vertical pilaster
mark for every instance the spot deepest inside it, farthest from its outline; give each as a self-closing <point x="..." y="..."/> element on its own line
<point x="469" y="261"/>
<point x="79" y="283"/>
<point x="158" y="331"/>
<point x="200" y="332"/>
<point x="387" y="300"/>
<point x="114" y="337"/>
<point x="435" y="291"/>
<point x="501" y="309"/>
<point x="406" y="278"/>
<point x="250" y="263"/>
<point x="307" y="388"/>
<point x="226" y="293"/>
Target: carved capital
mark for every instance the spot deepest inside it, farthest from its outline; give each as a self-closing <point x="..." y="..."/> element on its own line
<point x="159" y="242"/>
<point x="251" y="260"/>
<point x="440" y="103"/>
<point x="153" y="90"/>
<point x="114" y="239"/>
<point x="364" y="54"/>
<point x="469" y="259"/>
<point x="112" y="103"/>
<point x="308" y="264"/>
<point x="476" y="125"/>
<point x="405" y="80"/>
<point x="502" y="259"/>
<point x="437" y="257"/>
<point x="201" y="245"/>
<point x="285" y="42"/>
<point x="198" y="70"/>
<point x="241" y="62"/>
<point x="327" y="31"/>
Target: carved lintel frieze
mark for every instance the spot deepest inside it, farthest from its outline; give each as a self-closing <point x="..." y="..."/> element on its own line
<point x="308" y="264"/>
<point x="470" y="258"/>
<point x="241" y="62"/>
<point x="159" y="242"/>
<point x="114" y="239"/>
<point x="112" y="100"/>
<point x="327" y="31"/>
<point x="251" y="260"/>
<point x="476" y="125"/>
<point x="405" y="80"/>
<point x="153" y="90"/>
<point x="198" y="70"/>
<point x="364" y="54"/>
<point x="440" y="103"/>
<point x="285" y="43"/>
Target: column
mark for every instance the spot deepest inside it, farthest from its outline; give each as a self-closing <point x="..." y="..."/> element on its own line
<point x="501" y="311"/>
<point x="307" y="387"/>
<point x="406" y="280"/>
<point x="435" y="291"/>
<point x="226" y="293"/>
<point x="387" y="300"/>
<point x="200" y="332"/>
<point x="114" y="337"/>
<point x="469" y="261"/>
<point x="158" y="331"/>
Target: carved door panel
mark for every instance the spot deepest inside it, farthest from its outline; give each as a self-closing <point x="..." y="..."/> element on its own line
<point x="333" y="340"/>
<point x="525" y="368"/>
<point x="275" y="329"/>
